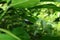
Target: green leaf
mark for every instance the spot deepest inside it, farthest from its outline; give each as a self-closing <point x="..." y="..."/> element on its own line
<point x="52" y="6"/>
<point x="6" y="37"/>
<point x="24" y="3"/>
<point x="57" y="0"/>
<point x="20" y="32"/>
<point x="47" y="0"/>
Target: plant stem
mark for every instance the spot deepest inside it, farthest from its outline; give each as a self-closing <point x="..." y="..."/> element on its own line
<point x="9" y="33"/>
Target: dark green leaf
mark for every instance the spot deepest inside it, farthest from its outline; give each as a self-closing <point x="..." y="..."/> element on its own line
<point x="20" y="32"/>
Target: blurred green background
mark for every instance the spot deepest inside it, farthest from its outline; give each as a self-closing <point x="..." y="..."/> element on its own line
<point x="30" y="22"/>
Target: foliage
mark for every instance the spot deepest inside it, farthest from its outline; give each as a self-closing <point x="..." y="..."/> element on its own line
<point x="29" y="20"/>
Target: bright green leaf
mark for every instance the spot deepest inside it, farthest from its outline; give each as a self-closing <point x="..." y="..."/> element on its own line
<point x="6" y="37"/>
<point x="24" y="3"/>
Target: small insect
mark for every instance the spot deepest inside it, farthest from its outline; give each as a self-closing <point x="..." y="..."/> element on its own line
<point x="28" y="22"/>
